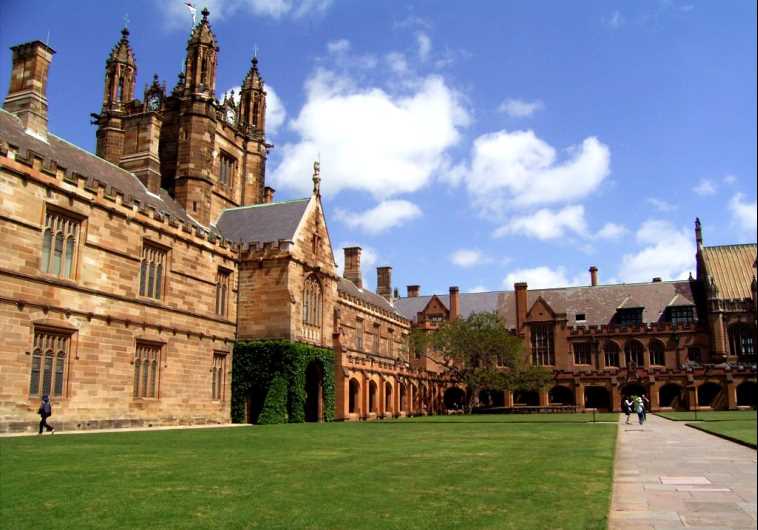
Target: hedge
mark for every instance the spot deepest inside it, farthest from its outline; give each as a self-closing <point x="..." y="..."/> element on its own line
<point x="272" y="374"/>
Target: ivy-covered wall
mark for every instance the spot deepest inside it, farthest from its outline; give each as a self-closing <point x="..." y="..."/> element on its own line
<point x="272" y="375"/>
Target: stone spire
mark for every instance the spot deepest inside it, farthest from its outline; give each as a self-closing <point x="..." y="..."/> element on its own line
<point x="317" y="178"/>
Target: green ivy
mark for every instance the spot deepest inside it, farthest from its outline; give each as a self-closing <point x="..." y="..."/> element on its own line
<point x="272" y="374"/>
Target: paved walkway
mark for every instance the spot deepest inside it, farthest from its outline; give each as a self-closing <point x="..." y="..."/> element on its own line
<point x="126" y="429"/>
<point x="668" y="475"/>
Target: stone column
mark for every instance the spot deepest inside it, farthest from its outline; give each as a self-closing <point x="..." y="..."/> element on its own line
<point x="731" y="395"/>
<point x="692" y="397"/>
<point x="655" y="401"/>
<point x="508" y="398"/>
<point x="579" y="396"/>
<point x="615" y="398"/>
<point x="544" y="397"/>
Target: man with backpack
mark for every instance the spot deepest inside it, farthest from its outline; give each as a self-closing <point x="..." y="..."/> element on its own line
<point x="45" y="411"/>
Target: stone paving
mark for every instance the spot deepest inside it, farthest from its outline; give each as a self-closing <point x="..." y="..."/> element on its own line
<point x="668" y="475"/>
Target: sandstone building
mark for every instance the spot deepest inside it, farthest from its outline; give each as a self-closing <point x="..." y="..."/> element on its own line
<point x="129" y="274"/>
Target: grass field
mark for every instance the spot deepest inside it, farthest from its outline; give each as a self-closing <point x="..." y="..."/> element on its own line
<point x="744" y="430"/>
<point x="416" y="473"/>
<point x="710" y="415"/>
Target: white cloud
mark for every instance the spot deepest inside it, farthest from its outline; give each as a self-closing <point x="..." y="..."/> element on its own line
<point x="478" y="289"/>
<point x="615" y="20"/>
<point x="730" y="179"/>
<point x="397" y="63"/>
<point x="466" y="257"/>
<point x="744" y="214"/>
<point x="424" y="43"/>
<point x="539" y="278"/>
<point x="338" y="46"/>
<point x="276" y="114"/>
<point x="369" y="139"/>
<point x="518" y="108"/>
<point x="518" y="169"/>
<point x="546" y="224"/>
<point x="611" y="231"/>
<point x="177" y="15"/>
<point x="704" y="188"/>
<point x="660" y="204"/>
<point x="382" y="217"/>
<point x="668" y="252"/>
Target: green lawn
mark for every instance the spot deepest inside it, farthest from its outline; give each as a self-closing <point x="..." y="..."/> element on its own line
<point x="710" y="415"/>
<point x="744" y="430"/>
<point x="582" y="417"/>
<point x="425" y="473"/>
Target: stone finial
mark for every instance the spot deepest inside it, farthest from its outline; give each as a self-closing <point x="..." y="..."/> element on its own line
<point x="317" y="178"/>
<point x="205" y="14"/>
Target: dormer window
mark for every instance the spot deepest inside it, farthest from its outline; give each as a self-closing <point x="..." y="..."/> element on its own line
<point x="629" y="317"/>
<point x="682" y="315"/>
<point x="581" y="317"/>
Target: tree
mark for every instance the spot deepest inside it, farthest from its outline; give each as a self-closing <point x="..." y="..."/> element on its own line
<point x="479" y="352"/>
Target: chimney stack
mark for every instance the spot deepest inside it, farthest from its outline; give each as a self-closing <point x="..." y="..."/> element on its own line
<point x="413" y="290"/>
<point x="455" y="303"/>
<point x="657" y="279"/>
<point x="384" y="282"/>
<point x="27" y="95"/>
<point x="593" y="276"/>
<point x="353" y="266"/>
<point x="268" y="194"/>
<point x="521" y="303"/>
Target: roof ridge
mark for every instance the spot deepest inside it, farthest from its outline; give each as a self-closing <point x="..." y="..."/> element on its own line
<point x="290" y="201"/>
<point x="730" y="245"/>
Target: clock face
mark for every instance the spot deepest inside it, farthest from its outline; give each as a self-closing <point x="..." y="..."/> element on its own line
<point x="153" y="102"/>
<point x="230" y="115"/>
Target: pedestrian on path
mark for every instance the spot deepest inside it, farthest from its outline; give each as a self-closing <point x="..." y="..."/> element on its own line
<point x="627" y="405"/>
<point x="45" y="411"/>
<point x="646" y="406"/>
<point x="639" y="408"/>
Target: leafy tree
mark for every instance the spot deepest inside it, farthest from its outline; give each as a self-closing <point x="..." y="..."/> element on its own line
<point x="479" y="352"/>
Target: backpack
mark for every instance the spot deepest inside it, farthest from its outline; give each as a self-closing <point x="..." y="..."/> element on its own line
<point x="47" y="410"/>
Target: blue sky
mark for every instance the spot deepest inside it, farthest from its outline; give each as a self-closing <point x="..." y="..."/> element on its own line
<point x="470" y="143"/>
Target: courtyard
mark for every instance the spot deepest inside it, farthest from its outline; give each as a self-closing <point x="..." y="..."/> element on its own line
<point x="531" y="471"/>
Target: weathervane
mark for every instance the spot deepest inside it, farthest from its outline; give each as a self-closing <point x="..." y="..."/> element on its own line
<point x="126" y="20"/>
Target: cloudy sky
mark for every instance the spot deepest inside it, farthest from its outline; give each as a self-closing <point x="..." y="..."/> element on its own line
<point x="469" y="143"/>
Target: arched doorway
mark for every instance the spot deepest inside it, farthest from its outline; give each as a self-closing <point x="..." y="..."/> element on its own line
<point x="491" y="398"/>
<point x="670" y="395"/>
<point x="372" y="396"/>
<point x="746" y="394"/>
<point x="597" y="397"/>
<point x="526" y="398"/>
<point x="634" y="389"/>
<point x="707" y="394"/>
<point x="314" y="392"/>
<point x="354" y="392"/>
<point x="388" y="398"/>
<point x="454" y="398"/>
<point x="561" y="395"/>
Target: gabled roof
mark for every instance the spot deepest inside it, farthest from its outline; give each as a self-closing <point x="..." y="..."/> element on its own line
<point x="349" y="288"/>
<point x="630" y="303"/>
<point x="262" y="222"/>
<point x="77" y="160"/>
<point x="598" y="303"/>
<point x="731" y="267"/>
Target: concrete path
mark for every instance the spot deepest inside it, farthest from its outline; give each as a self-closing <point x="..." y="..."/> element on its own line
<point x="668" y="475"/>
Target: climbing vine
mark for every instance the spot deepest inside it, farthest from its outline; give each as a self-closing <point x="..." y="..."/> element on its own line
<point x="271" y="376"/>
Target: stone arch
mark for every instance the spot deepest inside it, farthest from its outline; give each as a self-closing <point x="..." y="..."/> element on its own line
<point x="489" y="397"/>
<point x="746" y="395"/>
<point x="354" y="396"/>
<point x="454" y="398"/>
<point x="634" y="389"/>
<point x="597" y="397"/>
<point x="561" y="395"/>
<point x="314" y="391"/>
<point x="657" y="352"/>
<point x="529" y="398"/>
<point x="388" y="394"/>
<point x="611" y="353"/>
<point x="402" y="389"/>
<point x="672" y="395"/>
<point x="708" y="394"/>
<point x="373" y="397"/>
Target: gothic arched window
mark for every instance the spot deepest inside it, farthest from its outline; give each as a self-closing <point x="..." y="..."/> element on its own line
<point x="312" y="309"/>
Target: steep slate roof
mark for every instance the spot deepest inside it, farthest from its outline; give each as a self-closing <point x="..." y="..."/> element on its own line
<point x="262" y="222"/>
<point x="731" y="267"/>
<point x="349" y="288"/>
<point x="77" y="160"/>
<point x="598" y="303"/>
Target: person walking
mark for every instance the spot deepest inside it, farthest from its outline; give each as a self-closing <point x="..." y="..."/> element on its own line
<point x="45" y="411"/>
<point x="646" y="407"/>
<point x="627" y="406"/>
<point x="639" y="408"/>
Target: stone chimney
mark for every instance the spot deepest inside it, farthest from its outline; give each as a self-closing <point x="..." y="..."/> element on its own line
<point x="268" y="197"/>
<point x="455" y="303"/>
<point x="521" y="304"/>
<point x="27" y="95"/>
<point x="593" y="276"/>
<point x="384" y="282"/>
<point x="657" y="279"/>
<point x="353" y="266"/>
<point x="413" y="290"/>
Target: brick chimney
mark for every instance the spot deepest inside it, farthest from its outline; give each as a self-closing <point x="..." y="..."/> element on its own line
<point x="413" y="290"/>
<point x="455" y="303"/>
<point x="384" y="282"/>
<point x="27" y="95"/>
<point x="353" y="266"/>
<point x="521" y="303"/>
<point x="593" y="276"/>
<point x="268" y="195"/>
